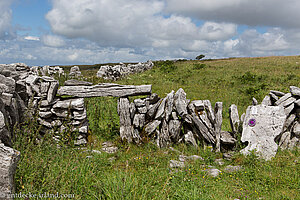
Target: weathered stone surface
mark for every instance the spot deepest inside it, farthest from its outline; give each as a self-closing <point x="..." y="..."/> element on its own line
<point x="163" y="137"/>
<point x="284" y="140"/>
<point x="79" y="114"/>
<point x="212" y="172"/>
<point x="61" y="112"/>
<point x="153" y="109"/>
<point x="8" y="164"/>
<point x="293" y="143"/>
<point x="56" y="123"/>
<point x="297" y="103"/>
<point x="218" y="124"/>
<point x="209" y="110"/>
<point x="9" y="83"/>
<point x="161" y="109"/>
<point x="231" y="168"/>
<point x="203" y="130"/>
<point x="295" y="91"/>
<point x="139" y="120"/>
<point x="277" y="93"/>
<point x="152" y="126"/>
<point x="296" y="129"/>
<point x="190" y="139"/>
<point x="262" y="124"/>
<point x="45" y="114"/>
<point x="75" y="72"/>
<point x="267" y="101"/>
<point x="45" y="87"/>
<point x="199" y="105"/>
<point x="226" y="138"/>
<point x="234" y="118"/>
<point x="180" y="103"/>
<point x="169" y="105"/>
<point x="52" y="91"/>
<point x="175" y="129"/>
<point x="6" y="98"/>
<point x="289" y="109"/>
<point x="288" y="102"/>
<point x="254" y="102"/>
<point x="142" y="110"/>
<point x="105" y="89"/>
<point x="288" y="122"/>
<point x="176" y="164"/>
<point x="154" y="98"/>
<point x="76" y="104"/>
<point x="274" y="98"/>
<point x="282" y="99"/>
<point x="74" y="82"/>
<point x="44" y="123"/>
<point x="126" y="128"/>
<point x="184" y="158"/>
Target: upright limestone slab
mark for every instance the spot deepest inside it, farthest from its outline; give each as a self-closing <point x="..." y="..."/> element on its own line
<point x="260" y="127"/>
<point x="8" y="163"/>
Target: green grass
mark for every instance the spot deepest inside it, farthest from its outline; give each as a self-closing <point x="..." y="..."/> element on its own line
<point x="142" y="172"/>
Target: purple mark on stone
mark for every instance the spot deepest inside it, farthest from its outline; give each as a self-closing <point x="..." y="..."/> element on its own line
<point x="252" y="122"/>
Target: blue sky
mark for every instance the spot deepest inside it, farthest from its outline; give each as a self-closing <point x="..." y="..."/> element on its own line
<point x="50" y="32"/>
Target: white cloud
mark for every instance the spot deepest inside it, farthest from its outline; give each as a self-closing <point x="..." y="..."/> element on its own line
<point x="275" y="13"/>
<point x="6" y="30"/>
<point x="53" y="40"/>
<point x="34" y="38"/>
<point x="129" y="23"/>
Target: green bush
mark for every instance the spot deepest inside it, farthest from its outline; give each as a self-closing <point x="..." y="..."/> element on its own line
<point x="199" y="66"/>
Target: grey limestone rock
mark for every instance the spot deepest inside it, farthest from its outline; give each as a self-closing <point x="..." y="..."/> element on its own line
<point x="74" y="82"/>
<point x="9" y="83"/>
<point x="105" y="89"/>
<point x="161" y="109"/>
<point x="212" y="172"/>
<point x="175" y="129"/>
<point x="231" y="168"/>
<point x="282" y="99"/>
<point x="52" y="91"/>
<point x="139" y="120"/>
<point x="8" y="164"/>
<point x="180" y="103"/>
<point x="76" y="104"/>
<point x="169" y="105"/>
<point x="163" y="137"/>
<point x="226" y="138"/>
<point x="296" y="129"/>
<point x="190" y="139"/>
<point x="261" y="126"/>
<point x="295" y="91"/>
<point x="126" y="128"/>
<point x="277" y="93"/>
<point x="267" y="101"/>
<point x="234" y="118"/>
<point x="254" y="102"/>
<point x="289" y="109"/>
<point x="218" y="124"/>
<point x="152" y="126"/>
<point x="176" y="164"/>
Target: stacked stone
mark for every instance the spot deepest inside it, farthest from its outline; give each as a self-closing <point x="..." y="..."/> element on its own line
<point x="55" y="113"/>
<point x="289" y="138"/>
<point x="47" y="70"/>
<point x="75" y="72"/>
<point x="171" y="120"/>
<point x="118" y="71"/>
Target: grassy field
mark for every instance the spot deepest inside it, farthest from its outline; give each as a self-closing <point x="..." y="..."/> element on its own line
<point x="142" y="172"/>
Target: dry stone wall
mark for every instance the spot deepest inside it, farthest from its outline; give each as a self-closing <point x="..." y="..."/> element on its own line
<point x="172" y="119"/>
<point x="115" y="72"/>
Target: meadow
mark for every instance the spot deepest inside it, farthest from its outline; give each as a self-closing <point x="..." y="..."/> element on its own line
<point x="142" y="172"/>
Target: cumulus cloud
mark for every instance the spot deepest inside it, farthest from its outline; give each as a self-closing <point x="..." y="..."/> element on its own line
<point x="34" y="38"/>
<point x="6" y="30"/>
<point x="53" y="40"/>
<point x="129" y="23"/>
<point x="276" y="13"/>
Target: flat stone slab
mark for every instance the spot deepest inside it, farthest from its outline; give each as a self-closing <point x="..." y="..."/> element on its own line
<point x="260" y="127"/>
<point x="105" y="89"/>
